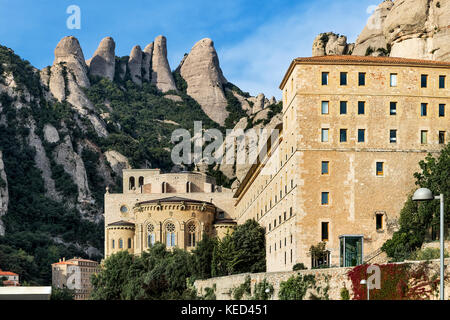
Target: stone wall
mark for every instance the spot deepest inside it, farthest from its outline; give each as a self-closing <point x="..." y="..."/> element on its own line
<point x="337" y="279"/>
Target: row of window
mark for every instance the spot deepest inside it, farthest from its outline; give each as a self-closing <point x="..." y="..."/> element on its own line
<point x="343" y="79"/>
<point x="361" y="136"/>
<point x="121" y="244"/>
<point x="280" y="244"/>
<point x="325" y="169"/>
<point x="325" y="226"/>
<point x="285" y="217"/>
<point x="392" y="108"/>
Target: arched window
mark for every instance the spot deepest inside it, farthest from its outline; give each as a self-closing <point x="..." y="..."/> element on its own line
<point x="163" y="187"/>
<point x="131" y="184"/>
<point x="170" y="235"/>
<point x="150" y="235"/>
<point x="129" y="243"/>
<point x="141" y="182"/>
<point x="120" y="244"/>
<point x="113" y="245"/>
<point x="188" y="187"/>
<point x="191" y="228"/>
<point x="213" y="188"/>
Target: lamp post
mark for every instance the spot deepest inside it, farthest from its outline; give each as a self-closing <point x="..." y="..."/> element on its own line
<point x="364" y="282"/>
<point x="424" y="194"/>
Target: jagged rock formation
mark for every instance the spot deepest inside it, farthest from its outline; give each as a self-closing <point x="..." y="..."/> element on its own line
<point x="103" y="62"/>
<point x="161" y="73"/>
<point x="331" y="44"/>
<point x="51" y="135"/>
<point x="4" y="196"/>
<point x="416" y="29"/>
<point x="147" y="62"/>
<point x="202" y="73"/>
<point x="68" y="52"/>
<point x="117" y="161"/>
<point x="74" y="166"/>
<point x="41" y="160"/>
<point x="260" y="102"/>
<point x="419" y="29"/>
<point x="135" y="65"/>
<point x="372" y="35"/>
<point x="68" y="76"/>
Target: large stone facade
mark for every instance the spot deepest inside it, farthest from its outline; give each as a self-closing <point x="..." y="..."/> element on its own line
<point x="368" y="158"/>
<point x="176" y="209"/>
<point x="354" y="130"/>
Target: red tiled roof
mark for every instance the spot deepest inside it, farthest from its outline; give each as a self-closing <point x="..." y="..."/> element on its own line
<point x="348" y="59"/>
<point x="371" y="59"/>
<point x="7" y="273"/>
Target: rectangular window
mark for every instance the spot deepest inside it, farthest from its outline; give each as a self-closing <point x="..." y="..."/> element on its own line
<point x="285" y="216"/>
<point x="343" y="135"/>
<point x="270" y="226"/>
<point x="361" y="134"/>
<point x="343" y="78"/>
<point x="423" y="136"/>
<point x="362" y="79"/>
<point x="423" y="80"/>
<point x="290" y="212"/>
<point x="393" y="79"/>
<point x="423" y="109"/>
<point x="324" y="231"/>
<point x="324" y="135"/>
<point x="393" y="136"/>
<point x="380" y="168"/>
<point x="325" y="167"/>
<point x="379" y="221"/>
<point x="441" y="137"/>
<point x="393" y="108"/>
<point x="325" y="196"/>
<point x="343" y="107"/>
<point x="129" y="243"/>
<point x="113" y="244"/>
<point x="325" y="107"/>
<point x="442" y="110"/>
<point x="324" y="78"/>
<point x="441" y="82"/>
<point x="361" y="107"/>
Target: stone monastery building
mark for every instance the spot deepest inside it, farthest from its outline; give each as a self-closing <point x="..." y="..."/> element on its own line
<point x="354" y="130"/>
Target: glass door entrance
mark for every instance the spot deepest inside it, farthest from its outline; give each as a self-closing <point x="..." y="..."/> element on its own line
<point x="351" y="250"/>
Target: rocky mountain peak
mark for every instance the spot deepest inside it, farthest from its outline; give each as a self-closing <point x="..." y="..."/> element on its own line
<point x="330" y="43"/>
<point x="161" y="72"/>
<point x="415" y="29"/>
<point x="147" y="61"/>
<point x="103" y="61"/>
<point x="135" y="65"/>
<point x="203" y="75"/>
<point x="69" y="52"/>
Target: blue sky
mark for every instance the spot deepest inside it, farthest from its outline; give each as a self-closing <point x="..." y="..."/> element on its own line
<point x="255" y="39"/>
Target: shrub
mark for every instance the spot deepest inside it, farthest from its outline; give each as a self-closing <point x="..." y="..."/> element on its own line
<point x="299" y="266"/>
<point x="242" y="289"/>
<point x="295" y="287"/>
<point x="345" y="294"/>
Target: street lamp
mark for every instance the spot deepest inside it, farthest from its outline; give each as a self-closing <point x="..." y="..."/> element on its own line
<point x="364" y="282"/>
<point x="424" y="194"/>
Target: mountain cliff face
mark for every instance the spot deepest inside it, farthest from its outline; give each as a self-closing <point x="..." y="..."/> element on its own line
<point x="417" y="29"/>
<point x="67" y="131"/>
